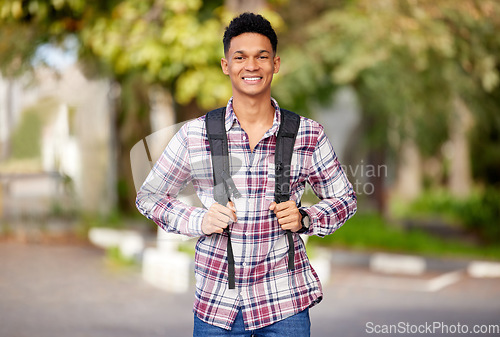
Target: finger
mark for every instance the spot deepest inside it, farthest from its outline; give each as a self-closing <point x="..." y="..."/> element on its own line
<point x="291" y="222"/>
<point x="229" y="210"/>
<point x="272" y="206"/>
<point x="291" y="226"/>
<point x="221" y="221"/>
<point x="215" y="229"/>
<point x="223" y="213"/>
<point x="219" y="229"/>
<point x="212" y="225"/>
<point x="289" y="218"/>
<point x="215" y="219"/>
<point x="231" y="206"/>
<point x="287" y="212"/>
<point x="285" y="205"/>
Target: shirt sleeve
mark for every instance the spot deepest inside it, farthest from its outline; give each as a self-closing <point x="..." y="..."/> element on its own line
<point x="157" y="197"/>
<point x="329" y="182"/>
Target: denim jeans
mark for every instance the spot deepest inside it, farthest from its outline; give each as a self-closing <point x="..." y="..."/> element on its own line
<point x="298" y="325"/>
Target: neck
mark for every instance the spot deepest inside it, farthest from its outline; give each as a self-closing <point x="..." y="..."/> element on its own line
<point x="250" y="110"/>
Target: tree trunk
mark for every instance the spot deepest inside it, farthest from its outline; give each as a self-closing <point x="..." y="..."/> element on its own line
<point x="460" y="179"/>
<point x="409" y="175"/>
<point x="9" y="119"/>
<point x="132" y="124"/>
<point x="188" y="111"/>
<point x="376" y="159"/>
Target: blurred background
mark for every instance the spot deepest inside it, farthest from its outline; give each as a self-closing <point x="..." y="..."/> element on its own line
<point x="408" y="92"/>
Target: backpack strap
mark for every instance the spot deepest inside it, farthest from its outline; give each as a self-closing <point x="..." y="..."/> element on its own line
<point x="223" y="187"/>
<point x="217" y="139"/>
<point x="285" y="141"/>
<point x="223" y="184"/>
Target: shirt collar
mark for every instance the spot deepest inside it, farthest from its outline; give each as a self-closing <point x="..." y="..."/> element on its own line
<point x="231" y="119"/>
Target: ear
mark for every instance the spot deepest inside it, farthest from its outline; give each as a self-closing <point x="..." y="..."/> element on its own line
<point x="224" y="66"/>
<point x="277" y="63"/>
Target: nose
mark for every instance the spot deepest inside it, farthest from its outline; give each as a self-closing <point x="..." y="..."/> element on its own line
<point x="251" y="64"/>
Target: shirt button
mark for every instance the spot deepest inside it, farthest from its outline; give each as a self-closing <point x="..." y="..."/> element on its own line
<point x="244" y="264"/>
<point x="244" y="137"/>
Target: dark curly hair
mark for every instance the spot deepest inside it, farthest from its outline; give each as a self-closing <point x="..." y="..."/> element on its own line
<point x="249" y="23"/>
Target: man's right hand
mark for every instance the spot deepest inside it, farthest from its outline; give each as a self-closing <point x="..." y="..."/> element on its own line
<point x="218" y="217"/>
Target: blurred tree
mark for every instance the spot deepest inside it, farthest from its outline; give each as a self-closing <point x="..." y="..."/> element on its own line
<point x="136" y="43"/>
<point x="176" y="44"/>
<point x="146" y="43"/>
<point x="139" y="44"/>
<point x="409" y="62"/>
<point x="27" y="25"/>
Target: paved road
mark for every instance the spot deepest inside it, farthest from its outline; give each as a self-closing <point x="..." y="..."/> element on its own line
<point x="69" y="291"/>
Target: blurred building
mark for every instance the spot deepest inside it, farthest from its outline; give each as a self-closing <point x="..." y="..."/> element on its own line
<point x="56" y="144"/>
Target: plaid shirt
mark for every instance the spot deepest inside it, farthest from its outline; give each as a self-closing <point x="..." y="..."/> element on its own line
<point x="266" y="291"/>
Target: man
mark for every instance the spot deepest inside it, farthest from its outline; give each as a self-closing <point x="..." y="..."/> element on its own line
<point x="269" y="298"/>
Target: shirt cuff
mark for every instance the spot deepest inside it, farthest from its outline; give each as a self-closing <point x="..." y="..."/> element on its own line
<point x="308" y="211"/>
<point x="195" y="220"/>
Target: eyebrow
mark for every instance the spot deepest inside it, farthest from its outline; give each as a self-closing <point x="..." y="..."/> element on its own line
<point x="260" y="52"/>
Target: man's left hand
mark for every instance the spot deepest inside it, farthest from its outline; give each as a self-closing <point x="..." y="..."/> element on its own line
<point x="288" y="215"/>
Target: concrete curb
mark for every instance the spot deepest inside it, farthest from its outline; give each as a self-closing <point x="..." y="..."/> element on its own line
<point x="132" y="243"/>
<point x="412" y="264"/>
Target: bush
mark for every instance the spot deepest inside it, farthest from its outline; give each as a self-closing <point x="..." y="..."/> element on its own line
<point x="371" y="232"/>
<point x="482" y="215"/>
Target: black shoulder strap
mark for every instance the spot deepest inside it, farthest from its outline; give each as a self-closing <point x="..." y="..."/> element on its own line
<point x="217" y="139"/>
<point x="285" y="141"/>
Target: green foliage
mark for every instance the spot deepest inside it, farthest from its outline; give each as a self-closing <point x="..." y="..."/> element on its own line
<point x="370" y="232"/>
<point x="482" y="214"/>
<point x="28" y="24"/>
<point x="432" y="203"/>
<point x="26" y="139"/>
<point x="168" y="43"/>
<point x="114" y="219"/>
<point x="174" y="43"/>
<point x="87" y="220"/>
<point x="485" y="139"/>
<point x="479" y="213"/>
<point x="407" y="60"/>
<point x="116" y="260"/>
<point x="188" y="247"/>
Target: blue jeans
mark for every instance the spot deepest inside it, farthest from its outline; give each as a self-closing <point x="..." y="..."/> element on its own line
<point x="298" y="325"/>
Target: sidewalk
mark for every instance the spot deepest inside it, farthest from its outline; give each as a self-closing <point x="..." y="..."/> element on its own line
<point x="59" y="290"/>
<point x="70" y="291"/>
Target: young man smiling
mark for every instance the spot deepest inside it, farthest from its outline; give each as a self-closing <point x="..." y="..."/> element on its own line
<point x="269" y="297"/>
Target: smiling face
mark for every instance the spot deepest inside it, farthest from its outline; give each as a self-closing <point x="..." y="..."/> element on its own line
<point x="250" y="63"/>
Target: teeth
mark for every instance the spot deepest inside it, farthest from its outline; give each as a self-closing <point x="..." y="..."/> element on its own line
<point x="251" y="78"/>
